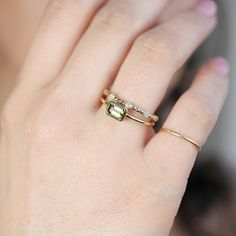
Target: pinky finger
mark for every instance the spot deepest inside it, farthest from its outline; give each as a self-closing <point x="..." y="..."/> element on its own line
<point x="194" y="116"/>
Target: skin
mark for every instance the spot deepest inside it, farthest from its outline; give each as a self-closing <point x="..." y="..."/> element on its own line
<point x="68" y="169"/>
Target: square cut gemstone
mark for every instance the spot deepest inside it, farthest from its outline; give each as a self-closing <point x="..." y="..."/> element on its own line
<point x="116" y="111"/>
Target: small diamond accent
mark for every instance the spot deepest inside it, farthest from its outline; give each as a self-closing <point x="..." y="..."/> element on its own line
<point x="111" y="97"/>
<point x="146" y="114"/>
<point x="128" y="105"/>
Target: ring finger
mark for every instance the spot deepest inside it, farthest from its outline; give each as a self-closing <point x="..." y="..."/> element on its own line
<point x="158" y="54"/>
<point x="193" y="116"/>
<point x="109" y="37"/>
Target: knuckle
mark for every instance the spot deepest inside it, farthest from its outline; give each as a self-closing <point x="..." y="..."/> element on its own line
<point x="157" y="48"/>
<point x="115" y="16"/>
<point x="200" y="112"/>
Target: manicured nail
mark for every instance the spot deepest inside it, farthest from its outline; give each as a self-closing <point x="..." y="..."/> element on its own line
<point x="220" y="65"/>
<point x="207" y="7"/>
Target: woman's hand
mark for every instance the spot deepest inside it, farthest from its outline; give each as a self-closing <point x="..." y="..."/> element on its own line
<point x="66" y="167"/>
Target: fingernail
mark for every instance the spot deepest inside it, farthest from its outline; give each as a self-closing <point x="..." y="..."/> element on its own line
<point x="207" y="7"/>
<point x="221" y="66"/>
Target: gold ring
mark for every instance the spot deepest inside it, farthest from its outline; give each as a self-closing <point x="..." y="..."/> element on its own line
<point x="119" y="109"/>
<point x="169" y="131"/>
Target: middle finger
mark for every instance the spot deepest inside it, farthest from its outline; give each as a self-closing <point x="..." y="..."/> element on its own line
<point x="104" y="46"/>
<point x="159" y="53"/>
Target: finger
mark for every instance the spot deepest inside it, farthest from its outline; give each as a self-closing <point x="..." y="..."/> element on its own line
<point x="194" y="116"/>
<point x="158" y="54"/>
<point x="61" y="27"/>
<point x="102" y="49"/>
<point x="175" y="7"/>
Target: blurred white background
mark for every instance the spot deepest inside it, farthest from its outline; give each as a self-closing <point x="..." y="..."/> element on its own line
<point x="223" y="140"/>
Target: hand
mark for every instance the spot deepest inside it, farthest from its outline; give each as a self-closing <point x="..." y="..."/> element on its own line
<point x="69" y="169"/>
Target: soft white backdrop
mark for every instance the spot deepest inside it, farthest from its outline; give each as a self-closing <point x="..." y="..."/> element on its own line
<point x="223" y="139"/>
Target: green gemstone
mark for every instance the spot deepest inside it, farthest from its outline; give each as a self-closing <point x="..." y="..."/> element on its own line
<point x="116" y="111"/>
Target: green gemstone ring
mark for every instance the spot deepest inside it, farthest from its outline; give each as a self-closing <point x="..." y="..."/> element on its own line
<point x="116" y="111"/>
<point x="120" y="109"/>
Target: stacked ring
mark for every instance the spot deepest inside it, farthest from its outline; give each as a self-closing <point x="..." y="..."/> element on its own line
<point x="172" y="132"/>
<point x="118" y="109"/>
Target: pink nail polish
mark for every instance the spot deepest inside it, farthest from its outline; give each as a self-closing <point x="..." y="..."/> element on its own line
<point x="207" y="7"/>
<point x="220" y="65"/>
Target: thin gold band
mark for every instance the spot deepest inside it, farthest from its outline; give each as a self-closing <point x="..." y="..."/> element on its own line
<point x="172" y="132"/>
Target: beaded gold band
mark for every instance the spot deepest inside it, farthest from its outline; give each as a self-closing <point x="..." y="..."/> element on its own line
<point x="169" y="131"/>
<point x="119" y="109"/>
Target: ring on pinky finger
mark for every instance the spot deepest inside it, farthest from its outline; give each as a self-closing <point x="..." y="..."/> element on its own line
<point x="194" y="115"/>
